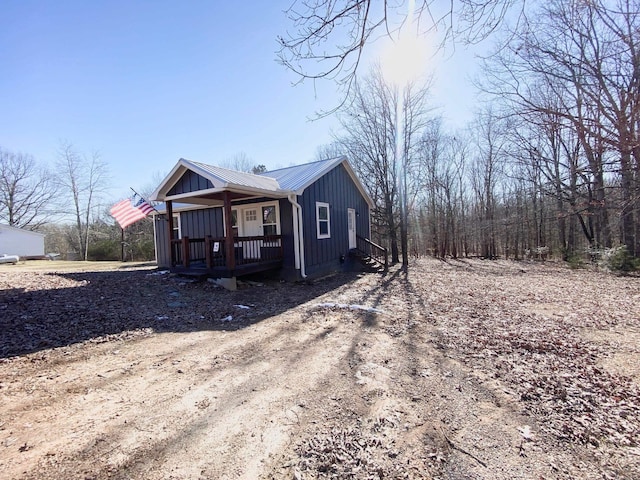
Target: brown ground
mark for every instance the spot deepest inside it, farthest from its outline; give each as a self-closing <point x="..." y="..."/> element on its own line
<point x="472" y="369"/>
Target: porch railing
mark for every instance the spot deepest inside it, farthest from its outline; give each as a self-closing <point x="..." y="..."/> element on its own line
<point x="373" y="251"/>
<point x="210" y="252"/>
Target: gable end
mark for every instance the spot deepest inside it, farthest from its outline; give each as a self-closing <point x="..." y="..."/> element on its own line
<point x="190" y="182"/>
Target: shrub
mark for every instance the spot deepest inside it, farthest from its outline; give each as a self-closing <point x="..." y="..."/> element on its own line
<point x="620" y="260"/>
<point x="104" y="250"/>
<point x="575" y="261"/>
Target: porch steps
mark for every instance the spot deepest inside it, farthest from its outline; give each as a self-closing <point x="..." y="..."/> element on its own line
<point x="368" y="263"/>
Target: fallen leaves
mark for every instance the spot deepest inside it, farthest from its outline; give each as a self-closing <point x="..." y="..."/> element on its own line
<point x="519" y="332"/>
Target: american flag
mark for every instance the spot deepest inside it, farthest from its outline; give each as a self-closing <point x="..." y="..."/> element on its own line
<point x="130" y="210"/>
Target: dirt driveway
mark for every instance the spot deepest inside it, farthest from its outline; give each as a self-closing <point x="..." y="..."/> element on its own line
<point x="487" y="370"/>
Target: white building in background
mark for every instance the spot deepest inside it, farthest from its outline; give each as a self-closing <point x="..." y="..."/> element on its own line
<point x="16" y="241"/>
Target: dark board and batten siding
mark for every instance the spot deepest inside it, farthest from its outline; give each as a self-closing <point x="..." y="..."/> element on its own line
<point x="193" y="224"/>
<point x="338" y="190"/>
<point x="203" y="222"/>
<point x="190" y="182"/>
<point x="162" y="242"/>
<point x="286" y="230"/>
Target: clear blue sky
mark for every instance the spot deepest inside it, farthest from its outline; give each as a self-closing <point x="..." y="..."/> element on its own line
<point x="147" y="82"/>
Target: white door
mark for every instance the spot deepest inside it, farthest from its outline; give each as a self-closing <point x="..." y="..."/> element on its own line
<point x="351" y="227"/>
<point x="251" y="227"/>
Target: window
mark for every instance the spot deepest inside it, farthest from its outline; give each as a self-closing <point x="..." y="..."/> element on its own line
<point x="250" y="215"/>
<point x="177" y="231"/>
<point x="269" y="222"/>
<point x="323" y="220"/>
<point x="234" y="222"/>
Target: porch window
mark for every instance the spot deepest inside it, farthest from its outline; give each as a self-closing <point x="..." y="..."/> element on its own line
<point x="269" y="221"/>
<point x="177" y="230"/>
<point x="234" y="222"/>
<point x="250" y="215"/>
<point x="323" y="220"/>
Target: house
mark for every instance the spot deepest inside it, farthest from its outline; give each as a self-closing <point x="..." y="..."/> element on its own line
<point x="17" y="241"/>
<point x="303" y="220"/>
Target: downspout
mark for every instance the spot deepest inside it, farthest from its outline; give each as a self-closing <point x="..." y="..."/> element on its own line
<point x="298" y="235"/>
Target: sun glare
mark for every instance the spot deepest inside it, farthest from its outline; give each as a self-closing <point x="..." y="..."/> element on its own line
<point x="405" y="59"/>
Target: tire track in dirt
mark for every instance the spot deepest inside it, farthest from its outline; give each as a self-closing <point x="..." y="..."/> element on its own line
<point x="309" y="392"/>
<point x="224" y="388"/>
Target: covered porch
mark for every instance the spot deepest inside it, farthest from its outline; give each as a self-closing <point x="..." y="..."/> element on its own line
<point x="208" y="255"/>
<point x="243" y="237"/>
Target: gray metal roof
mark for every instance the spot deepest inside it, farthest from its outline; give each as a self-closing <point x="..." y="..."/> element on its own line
<point x="278" y="183"/>
<point x="234" y="177"/>
<point x="299" y="177"/>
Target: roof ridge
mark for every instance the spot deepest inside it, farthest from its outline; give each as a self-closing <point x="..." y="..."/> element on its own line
<point x="305" y="164"/>
<point x="223" y="168"/>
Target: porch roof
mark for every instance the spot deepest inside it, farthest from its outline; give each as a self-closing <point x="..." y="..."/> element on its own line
<point x="239" y="184"/>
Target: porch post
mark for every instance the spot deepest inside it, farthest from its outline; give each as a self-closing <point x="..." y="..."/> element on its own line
<point x="228" y="237"/>
<point x="172" y="254"/>
<point x="207" y="251"/>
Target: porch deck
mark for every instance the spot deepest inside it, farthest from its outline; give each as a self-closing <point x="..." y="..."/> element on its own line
<point x="209" y="256"/>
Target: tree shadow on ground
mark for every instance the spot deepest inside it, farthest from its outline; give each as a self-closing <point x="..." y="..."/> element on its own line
<point x="102" y="305"/>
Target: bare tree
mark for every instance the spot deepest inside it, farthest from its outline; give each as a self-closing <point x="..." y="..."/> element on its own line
<point x="240" y="162"/>
<point x="243" y="163"/>
<point x="442" y="162"/>
<point x="330" y="150"/>
<point x="370" y="138"/>
<point x="329" y="36"/>
<point x="85" y="179"/>
<point x="370" y="123"/>
<point x="585" y="55"/>
<point x="27" y="192"/>
<point x="486" y="176"/>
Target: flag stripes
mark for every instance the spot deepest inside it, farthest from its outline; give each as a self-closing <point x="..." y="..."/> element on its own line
<point x="130" y="211"/>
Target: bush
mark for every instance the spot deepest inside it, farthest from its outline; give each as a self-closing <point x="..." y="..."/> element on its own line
<point x="620" y="260"/>
<point x="104" y="250"/>
<point x="575" y="261"/>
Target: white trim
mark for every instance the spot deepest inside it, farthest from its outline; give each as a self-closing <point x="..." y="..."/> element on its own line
<point x="298" y="236"/>
<point x="277" y="222"/>
<point x="351" y="213"/>
<point x="258" y="206"/>
<point x="319" y="235"/>
<point x="177" y="221"/>
<point x="220" y="184"/>
<point x="265" y="185"/>
<point x="255" y="192"/>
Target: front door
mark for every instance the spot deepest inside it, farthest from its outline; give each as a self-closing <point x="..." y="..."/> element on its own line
<point x="252" y="227"/>
<point x="351" y="227"/>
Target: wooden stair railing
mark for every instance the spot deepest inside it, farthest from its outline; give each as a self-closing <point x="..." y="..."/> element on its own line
<point x="372" y="251"/>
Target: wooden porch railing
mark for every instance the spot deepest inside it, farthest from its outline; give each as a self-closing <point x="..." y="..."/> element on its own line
<point x="373" y="251"/>
<point x="210" y="252"/>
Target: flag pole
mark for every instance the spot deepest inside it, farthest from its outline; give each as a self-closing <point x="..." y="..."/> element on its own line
<point x="144" y="199"/>
<point x="122" y="244"/>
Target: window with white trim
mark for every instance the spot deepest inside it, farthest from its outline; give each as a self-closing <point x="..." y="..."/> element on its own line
<point x="269" y="220"/>
<point x="250" y="215"/>
<point x="234" y="222"/>
<point x="177" y="230"/>
<point x="323" y="220"/>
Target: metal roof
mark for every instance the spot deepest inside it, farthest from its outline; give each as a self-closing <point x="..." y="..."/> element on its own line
<point x="299" y="177"/>
<point x="277" y="183"/>
<point x="233" y="177"/>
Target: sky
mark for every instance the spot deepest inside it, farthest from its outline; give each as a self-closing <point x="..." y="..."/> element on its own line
<point x="144" y="83"/>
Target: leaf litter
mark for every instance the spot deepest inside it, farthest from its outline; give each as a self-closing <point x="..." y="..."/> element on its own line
<point x="462" y="369"/>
